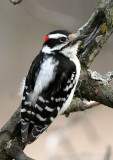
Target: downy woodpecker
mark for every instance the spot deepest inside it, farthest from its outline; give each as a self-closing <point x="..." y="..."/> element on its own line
<point x="50" y="83"/>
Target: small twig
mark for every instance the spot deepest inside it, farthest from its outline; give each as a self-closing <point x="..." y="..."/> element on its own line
<point x="108" y="153"/>
<point x="57" y="136"/>
<point x="91" y="104"/>
<point x="103" y="79"/>
<point x="78" y="105"/>
<point x="15" y="1"/>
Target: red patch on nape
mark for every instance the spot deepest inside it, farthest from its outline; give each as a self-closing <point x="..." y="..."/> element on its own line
<point x="46" y="38"/>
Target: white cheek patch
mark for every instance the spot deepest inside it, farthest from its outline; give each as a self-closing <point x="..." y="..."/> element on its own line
<point x="49" y="50"/>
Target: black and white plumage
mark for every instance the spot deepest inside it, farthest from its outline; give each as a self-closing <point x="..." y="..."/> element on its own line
<point x="50" y="84"/>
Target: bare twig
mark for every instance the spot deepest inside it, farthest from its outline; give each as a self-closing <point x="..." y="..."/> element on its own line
<point x="108" y="153"/>
<point x="78" y="105"/>
<point x="15" y="1"/>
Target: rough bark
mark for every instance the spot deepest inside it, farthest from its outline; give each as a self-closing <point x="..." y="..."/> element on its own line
<point x="92" y="85"/>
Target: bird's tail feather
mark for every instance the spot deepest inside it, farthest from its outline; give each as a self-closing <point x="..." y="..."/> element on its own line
<point x="35" y="133"/>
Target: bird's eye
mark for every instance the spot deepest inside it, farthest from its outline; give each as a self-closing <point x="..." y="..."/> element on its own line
<point x="63" y="39"/>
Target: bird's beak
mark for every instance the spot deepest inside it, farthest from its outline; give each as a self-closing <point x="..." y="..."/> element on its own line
<point x="73" y="38"/>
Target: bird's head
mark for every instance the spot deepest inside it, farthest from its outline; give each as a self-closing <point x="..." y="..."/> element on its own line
<point x="62" y="41"/>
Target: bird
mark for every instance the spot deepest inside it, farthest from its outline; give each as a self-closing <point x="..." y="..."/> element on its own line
<point x="49" y="86"/>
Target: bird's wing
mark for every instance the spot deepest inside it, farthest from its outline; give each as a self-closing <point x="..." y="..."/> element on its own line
<point x="28" y="88"/>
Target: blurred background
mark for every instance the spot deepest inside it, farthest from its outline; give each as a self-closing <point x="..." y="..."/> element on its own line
<point x="84" y="135"/>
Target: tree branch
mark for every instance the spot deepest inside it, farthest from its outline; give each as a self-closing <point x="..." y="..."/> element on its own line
<point x="96" y="88"/>
<point x="100" y="27"/>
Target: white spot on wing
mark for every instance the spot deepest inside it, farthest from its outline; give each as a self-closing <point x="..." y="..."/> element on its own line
<point x="36" y="105"/>
<point x="32" y="122"/>
<point x="39" y="108"/>
<point x="29" y="112"/>
<point x="23" y="98"/>
<point x="58" y="108"/>
<point x="27" y="103"/>
<point x="26" y="119"/>
<point x="52" y="99"/>
<point x="40" y="118"/>
<point x="57" y="99"/>
<point x="27" y="93"/>
<point x="23" y="110"/>
<point x="33" y="113"/>
<point x="51" y="119"/>
<point x="63" y="99"/>
<point x="41" y="99"/>
<point x="49" y="109"/>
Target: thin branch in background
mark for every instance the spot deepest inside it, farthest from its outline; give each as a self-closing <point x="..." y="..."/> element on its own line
<point x="78" y="105"/>
<point x="91" y="104"/>
<point x="60" y="135"/>
<point x="57" y="136"/>
<point x="108" y="153"/>
<point x="15" y="1"/>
